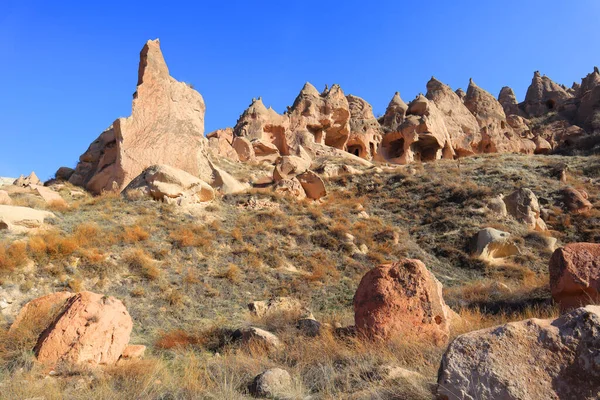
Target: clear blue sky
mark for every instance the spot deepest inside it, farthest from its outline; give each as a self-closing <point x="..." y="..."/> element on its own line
<point x="68" y="68"/>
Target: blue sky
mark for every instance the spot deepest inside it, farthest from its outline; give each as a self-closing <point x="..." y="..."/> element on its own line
<point x="68" y="68"/>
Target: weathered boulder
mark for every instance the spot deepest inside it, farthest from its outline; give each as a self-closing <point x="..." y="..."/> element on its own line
<point x="309" y="327"/>
<point x="224" y="182"/>
<point x="289" y="167"/>
<point x="83" y="328"/>
<point x="166" y="127"/>
<point x="290" y="187"/>
<point x="313" y="185"/>
<point x="365" y="131"/>
<point x="220" y="144"/>
<point x="273" y="382"/>
<point x="490" y="243"/>
<point x="542" y="146"/>
<point x="257" y="335"/>
<point x="543" y="95"/>
<point x="575" y="275"/>
<point x="17" y="219"/>
<point x="497" y="205"/>
<point x="526" y="360"/>
<point x="38" y="314"/>
<point x="523" y="205"/>
<point x="50" y="196"/>
<point x="462" y="126"/>
<point x="169" y="184"/>
<point x="265" y="151"/>
<point x="133" y="352"/>
<point x="5" y="198"/>
<point x="28" y="180"/>
<point x="279" y="305"/>
<point x="243" y="148"/>
<point x="402" y="299"/>
<point x="575" y="201"/>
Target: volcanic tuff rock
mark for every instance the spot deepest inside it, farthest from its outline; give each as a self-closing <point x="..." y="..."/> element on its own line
<point x="394" y="114"/>
<point x="265" y="124"/>
<point x="462" y="126"/>
<point x="83" y="328"/>
<point x="543" y="95"/>
<point x="166" y="126"/>
<point x="403" y="299"/>
<point x="220" y="144"/>
<point x="491" y="243"/>
<point x="30" y="179"/>
<point x="588" y="112"/>
<point x="171" y="185"/>
<point x="17" y="219"/>
<point x="365" y="131"/>
<point x="526" y="360"/>
<point x="523" y="205"/>
<point x="508" y="101"/>
<point x="575" y="201"/>
<point x="497" y="135"/>
<point x="575" y="275"/>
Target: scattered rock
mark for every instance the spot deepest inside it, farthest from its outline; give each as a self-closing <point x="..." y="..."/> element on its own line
<point x="402" y="299"/>
<point x="50" y="196"/>
<point x="313" y="185"/>
<point x="271" y="383"/>
<point x="290" y="167"/>
<point x="243" y="148"/>
<point x="169" y="184"/>
<point x="575" y="275"/>
<point x="279" y="305"/>
<point x="265" y="151"/>
<point x="17" y="219"/>
<point x="575" y="201"/>
<point x="220" y="144"/>
<point x="498" y="206"/>
<point x="290" y="187"/>
<point x="257" y="335"/>
<point x="226" y="183"/>
<point x="526" y="360"/>
<point x="524" y="207"/>
<point x="309" y="327"/>
<point x="83" y="328"/>
<point x="491" y="243"/>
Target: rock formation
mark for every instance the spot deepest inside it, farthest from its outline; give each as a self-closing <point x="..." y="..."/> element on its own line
<point x="264" y="124"/>
<point x="588" y="112"/>
<point x="543" y="95"/>
<point x="365" y="131"/>
<point x="16" y="219"/>
<point x="166" y="127"/>
<point x="526" y="360"/>
<point x="402" y="299"/>
<point x="508" y="101"/>
<point x="325" y="115"/>
<point x="79" y="329"/>
<point x="575" y="275"/>
<point x="422" y="136"/>
<point x="496" y="134"/>
<point x="523" y="205"/>
<point x="220" y="144"/>
<point x="490" y="243"/>
<point x="575" y="201"/>
<point x="169" y="184"/>
<point x="462" y="126"/>
<point x="28" y="180"/>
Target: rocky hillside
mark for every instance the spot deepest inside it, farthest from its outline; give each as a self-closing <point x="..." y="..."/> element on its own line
<point x="321" y="253"/>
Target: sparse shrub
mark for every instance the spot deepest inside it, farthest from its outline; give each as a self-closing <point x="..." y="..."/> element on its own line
<point x="233" y="273"/>
<point x="12" y="256"/>
<point x="139" y="261"/>
<point x="135" y="233"/>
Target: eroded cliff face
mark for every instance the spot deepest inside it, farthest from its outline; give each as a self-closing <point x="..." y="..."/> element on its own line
<point x="166" y="126"/>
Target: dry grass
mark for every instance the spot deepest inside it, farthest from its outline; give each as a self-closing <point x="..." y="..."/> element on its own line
<point x="139" y="261"/>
